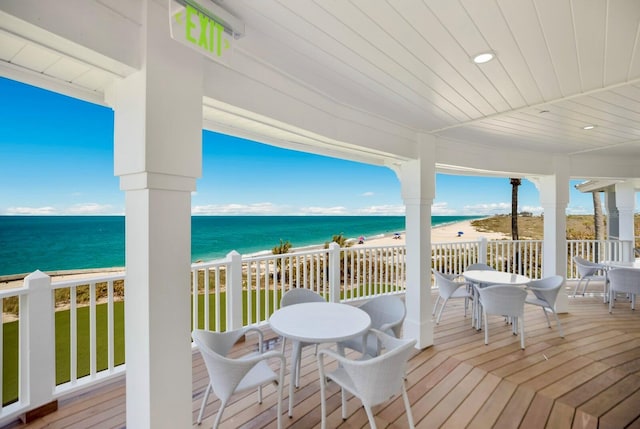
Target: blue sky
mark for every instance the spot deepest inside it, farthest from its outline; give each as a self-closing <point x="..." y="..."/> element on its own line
<point x="56" y="158"/>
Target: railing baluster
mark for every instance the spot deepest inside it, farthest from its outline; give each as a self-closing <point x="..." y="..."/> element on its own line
<point x="92" y="329"/>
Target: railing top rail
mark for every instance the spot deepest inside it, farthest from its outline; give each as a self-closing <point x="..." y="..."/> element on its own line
<point x="17" y="291"/>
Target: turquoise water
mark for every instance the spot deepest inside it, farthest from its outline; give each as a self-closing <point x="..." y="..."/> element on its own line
<point x="53" y="243"/>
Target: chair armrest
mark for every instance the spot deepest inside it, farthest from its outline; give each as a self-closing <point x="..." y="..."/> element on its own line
<point x="260" y="336"/>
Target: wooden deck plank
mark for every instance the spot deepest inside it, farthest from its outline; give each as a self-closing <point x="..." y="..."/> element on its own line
<point x="463" y="415"/>
<point x="590" y="377"/>
<point x="538" y="413"/>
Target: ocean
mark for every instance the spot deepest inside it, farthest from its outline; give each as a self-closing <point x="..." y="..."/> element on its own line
<point x="60" y="243"/>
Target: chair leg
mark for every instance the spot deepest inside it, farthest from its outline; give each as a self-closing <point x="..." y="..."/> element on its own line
<point x="407" y="406"/>
<point x="486" y="328"/>
<point x="544" y="310"/>
<point x="521" y="321"/>
<point x="586" y="285"/>
<point x="323" y="405"/>
<point x="575" y="290"/>
<point x="372" y="421"/>
<point x="343" y="396"/>
<point x="440" y="312"/>
<point x="435" y="305"/>
<point x="205" y="398"/>
<point x="219" y="414"/>
<point x="558" y="323"/>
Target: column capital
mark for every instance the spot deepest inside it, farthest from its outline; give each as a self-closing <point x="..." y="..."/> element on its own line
<point x="147" y="180"/>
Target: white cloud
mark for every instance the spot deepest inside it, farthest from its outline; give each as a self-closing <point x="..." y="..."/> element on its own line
<point x="239" y="209"/>
<point x="89" y="209"/>
<point x="387" y="210"/>
<point x="487" y="209"/>
<point x="332" y="211"/>
<point x="368" y="194"/>
<point x="579" y="210"/>
<point x="39" y="211"/>
<point x="442" y="209"/>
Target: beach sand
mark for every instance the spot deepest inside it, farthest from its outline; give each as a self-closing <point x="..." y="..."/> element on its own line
<point x="439" y="234"/>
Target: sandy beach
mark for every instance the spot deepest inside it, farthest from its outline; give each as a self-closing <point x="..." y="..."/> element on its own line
<point x="440" y="234"/>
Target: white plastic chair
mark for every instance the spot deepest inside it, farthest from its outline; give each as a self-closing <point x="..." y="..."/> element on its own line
<point x="387" y="312"/>
<point x="588" y="271"/>
<point x="479" y="267"/>
<point x="626" y="280"/>
<point x="292" y="297"/>
<point x="448" y="289"/>
<point x="503" y="300"/>
<point x="232" y="375"/>
<point x="545" y="291"/>
<point x="373" y="380"/>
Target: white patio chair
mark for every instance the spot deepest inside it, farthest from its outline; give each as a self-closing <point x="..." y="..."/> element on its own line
<point x="626" y="280"/>
<point x="588" y="271"/>
<point x="292" y="297"/>
<point x="228" y="376"/>
<point x="479" y="267"/>
<point x="374" y="380"/>
<point x="387" y="312"/>
<point x="448" y="289"/>
<point x="545" y="291"/>
<point x="504" y="300"/>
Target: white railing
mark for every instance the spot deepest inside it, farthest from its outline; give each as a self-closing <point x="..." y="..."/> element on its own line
<point x="227" y="294"/>
<point x="41" y="311"/>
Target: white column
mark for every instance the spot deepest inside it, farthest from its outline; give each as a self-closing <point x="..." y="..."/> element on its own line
<point x="554" y="198"/>
<point x="158" y="156"/>
<point x="625" y="203"/>
<point x="417" y="178"/>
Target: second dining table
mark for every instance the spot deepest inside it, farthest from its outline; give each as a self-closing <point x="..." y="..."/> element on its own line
<point x="317" y="322"/>
<point x="485" y="278"/>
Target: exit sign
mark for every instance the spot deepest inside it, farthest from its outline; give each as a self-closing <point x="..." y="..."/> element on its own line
<point x="193" y="25"/>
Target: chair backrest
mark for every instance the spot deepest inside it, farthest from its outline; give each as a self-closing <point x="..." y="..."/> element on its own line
<point x="546" y="289"/>
<point x="585" y="267"/>
<point x="224" y="373"/>
<point x="479" y="267"/>
<point x="379" y="378"/>
<point x="625" y="280"/>
<point x="300" y="295"/>
<point x="504" y="300"/>
<point x="446" y="286"/>
<point x="387" y="313"/>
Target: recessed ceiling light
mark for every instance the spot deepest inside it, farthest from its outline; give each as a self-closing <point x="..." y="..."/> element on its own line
<point x="588" y="127"/>
<point x="483" y="57"/>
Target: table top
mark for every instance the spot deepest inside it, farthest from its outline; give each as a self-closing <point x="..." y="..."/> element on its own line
<point x="495" y="277"/>
<point x="320" y="322"/>
<point x="622" y="264"/>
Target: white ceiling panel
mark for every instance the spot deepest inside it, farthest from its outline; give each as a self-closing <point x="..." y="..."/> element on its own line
<point x="9" y="46"/>
<point x="560" y="40"/>
<point x="67" y="69"/>
<point x="409" y="62"/>
<point x="590" y="23"/>
<point x="622" y="40"/>
<point x="35" y="58"/>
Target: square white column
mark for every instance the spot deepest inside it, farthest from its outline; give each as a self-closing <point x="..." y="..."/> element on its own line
<point x="158" y="156"/>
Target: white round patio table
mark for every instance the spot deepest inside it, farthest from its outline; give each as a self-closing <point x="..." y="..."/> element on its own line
<point x="488" y="278"/>
<point x="317" y="322"/>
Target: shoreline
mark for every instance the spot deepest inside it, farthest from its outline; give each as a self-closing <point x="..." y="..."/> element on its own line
<point x="439" y="234"/>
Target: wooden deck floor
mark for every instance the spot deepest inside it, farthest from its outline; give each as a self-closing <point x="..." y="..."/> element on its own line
<point x="589" y="379"/>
